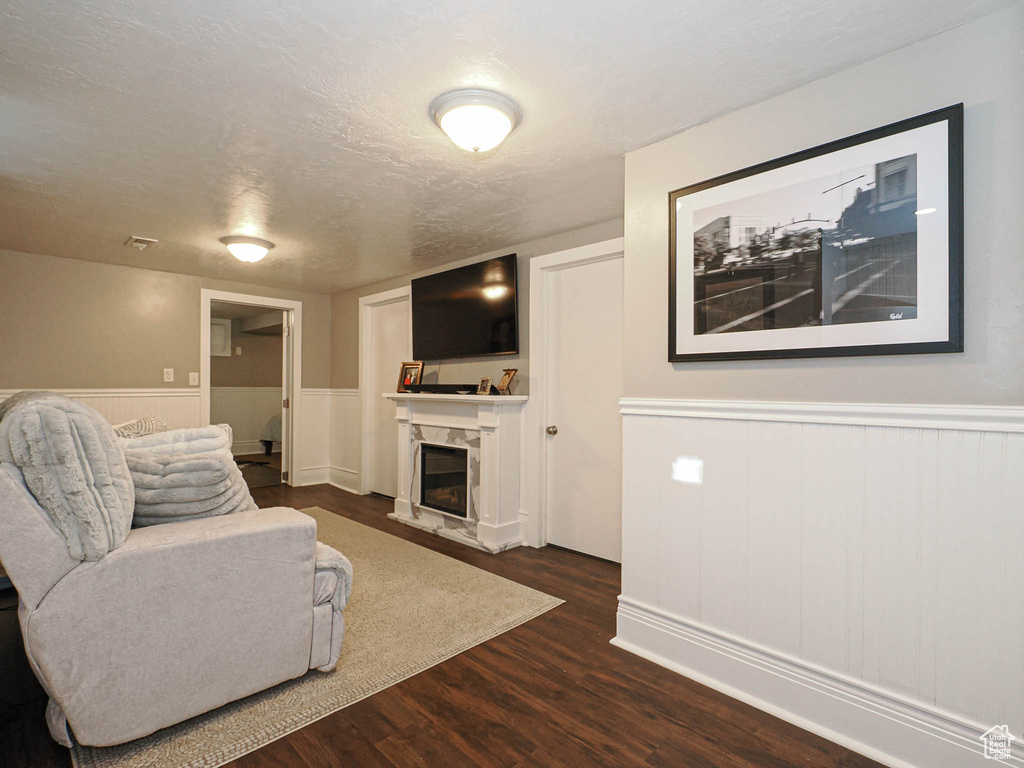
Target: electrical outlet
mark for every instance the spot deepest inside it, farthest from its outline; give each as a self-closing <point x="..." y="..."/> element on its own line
<point x="168" y="374"/>
<point x="193" y="379"/>
<point x="238" y="350"/>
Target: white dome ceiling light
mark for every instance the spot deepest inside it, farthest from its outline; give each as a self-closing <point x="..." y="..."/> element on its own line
<point x="247" y="249"/>
<point x="476" y="120"/>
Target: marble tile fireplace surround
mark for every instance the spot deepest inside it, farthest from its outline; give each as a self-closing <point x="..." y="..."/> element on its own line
<point x="487" y="429"/>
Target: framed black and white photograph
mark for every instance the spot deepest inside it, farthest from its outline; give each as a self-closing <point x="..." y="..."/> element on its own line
<point x="851" y="248"/>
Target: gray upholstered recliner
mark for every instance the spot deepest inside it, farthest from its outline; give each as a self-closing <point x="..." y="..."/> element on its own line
<point x="180" y="619"/>
<point x="130" y="630"/>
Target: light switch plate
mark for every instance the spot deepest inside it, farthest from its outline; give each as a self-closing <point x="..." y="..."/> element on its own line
<point x="238" y="350"/>
<point x="193" y="379"/>
<point x="168" y="374"/>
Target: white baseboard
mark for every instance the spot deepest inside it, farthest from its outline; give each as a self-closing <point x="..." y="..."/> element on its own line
<point x="312" y="476"/>
<point x="345" y="479"/>
<point x="877" y="724"/>
<point x="243" y="447"/>
<point x="339" y="477"/>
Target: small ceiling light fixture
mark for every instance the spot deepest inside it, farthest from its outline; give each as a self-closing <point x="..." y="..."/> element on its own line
<point x="474" y="119"/>
<point x="248" y="249"/>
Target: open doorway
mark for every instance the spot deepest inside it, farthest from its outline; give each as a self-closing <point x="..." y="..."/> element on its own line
<point x="246" y="386"/>
<point x="250" y="372"/>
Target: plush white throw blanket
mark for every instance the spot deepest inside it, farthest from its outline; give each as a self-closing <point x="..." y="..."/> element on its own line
<point x="185" y="474"/>
<point x="70" y="461"/>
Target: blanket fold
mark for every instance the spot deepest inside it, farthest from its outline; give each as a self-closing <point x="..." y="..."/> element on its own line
<point x="185" y="474"/>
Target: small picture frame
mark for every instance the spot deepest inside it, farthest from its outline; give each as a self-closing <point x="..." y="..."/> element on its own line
<point x="506" y="381"/>
<point x="411" y="374"/>
<point x="485" y="386"/>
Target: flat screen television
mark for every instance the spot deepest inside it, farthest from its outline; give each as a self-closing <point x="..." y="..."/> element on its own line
<point x="466" y="312"/>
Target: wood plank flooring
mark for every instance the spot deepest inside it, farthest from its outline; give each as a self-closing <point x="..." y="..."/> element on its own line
<point x="552" y="692"/>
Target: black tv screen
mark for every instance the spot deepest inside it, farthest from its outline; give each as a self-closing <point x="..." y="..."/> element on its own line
<point x="466" y="312"/>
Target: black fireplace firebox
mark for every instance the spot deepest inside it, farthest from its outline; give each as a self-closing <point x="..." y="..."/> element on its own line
<point x="444" y="479"/>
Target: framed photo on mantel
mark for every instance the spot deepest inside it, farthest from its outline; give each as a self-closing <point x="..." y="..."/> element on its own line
<point x="851" y="248"/>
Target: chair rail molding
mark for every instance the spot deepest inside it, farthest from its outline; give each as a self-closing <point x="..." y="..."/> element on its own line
<point x="844" y="566"/>
<point x="985" y="418"/>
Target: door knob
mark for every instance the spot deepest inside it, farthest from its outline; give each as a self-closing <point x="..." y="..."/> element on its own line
<point x="552" y="430"/>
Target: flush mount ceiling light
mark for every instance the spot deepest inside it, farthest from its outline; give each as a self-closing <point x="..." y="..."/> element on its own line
<point x="474" y="119"/>
<point x="248" y="249"/>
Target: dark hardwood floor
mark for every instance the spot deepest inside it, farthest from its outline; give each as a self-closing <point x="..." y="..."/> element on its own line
<point x="552" y="692"/>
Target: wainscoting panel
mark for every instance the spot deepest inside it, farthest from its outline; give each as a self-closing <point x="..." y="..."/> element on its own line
<point x="178" y="407"/>
<point x="346" y="439"/>
<point x="874" y="549"/>
<point x="247" y="410"/>
<point x="312" y="455"/>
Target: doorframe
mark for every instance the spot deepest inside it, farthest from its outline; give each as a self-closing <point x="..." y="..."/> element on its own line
<point x="366" y="399"/>
<point x="291" y="350"/>
<point x="533" y="479"/>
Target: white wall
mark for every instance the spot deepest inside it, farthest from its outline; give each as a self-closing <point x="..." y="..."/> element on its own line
<point x="853" y="573"/>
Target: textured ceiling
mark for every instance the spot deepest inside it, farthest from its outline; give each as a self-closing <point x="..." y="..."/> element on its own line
<point x="305" y="122"/>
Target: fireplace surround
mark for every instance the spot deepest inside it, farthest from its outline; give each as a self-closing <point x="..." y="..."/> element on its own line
<point x="478" y="432"/>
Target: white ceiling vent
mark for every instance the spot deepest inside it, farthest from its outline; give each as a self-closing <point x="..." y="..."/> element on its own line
<point x="142" y="243"/>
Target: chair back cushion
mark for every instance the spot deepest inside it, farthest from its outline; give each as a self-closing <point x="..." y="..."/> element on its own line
<point x="70" y="460"/>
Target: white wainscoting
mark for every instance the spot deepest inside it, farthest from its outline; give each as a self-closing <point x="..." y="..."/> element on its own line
<point x="180" y="408"/>
<point x="854" y="569"/>
<point x="331" y="438"/>
<point x="346" y="439"/>
<point x="328" y="440"/>
<point x="313" y="449"/>
<point x="247" y="410"/>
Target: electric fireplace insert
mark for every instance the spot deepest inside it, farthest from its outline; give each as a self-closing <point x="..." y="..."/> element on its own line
<point x="444" y="479"/>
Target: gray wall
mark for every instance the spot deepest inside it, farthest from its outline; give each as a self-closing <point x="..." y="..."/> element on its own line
<point x="980" y="64"/>
<point x="70" y="324"/>
<point x="345" y="315"/>
<point x="259" y="365"/>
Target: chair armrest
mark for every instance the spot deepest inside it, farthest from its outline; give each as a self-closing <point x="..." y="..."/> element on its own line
<point x="182" y="618"/>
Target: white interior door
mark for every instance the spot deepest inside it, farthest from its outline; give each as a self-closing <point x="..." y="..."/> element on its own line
<point x="583" y="386"/>
<point x="389" y="348"/>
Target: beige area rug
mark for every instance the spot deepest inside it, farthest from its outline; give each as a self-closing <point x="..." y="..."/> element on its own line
<point x="411" y="608"/>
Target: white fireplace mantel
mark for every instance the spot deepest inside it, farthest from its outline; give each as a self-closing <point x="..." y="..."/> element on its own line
<point x="489" y="426"/>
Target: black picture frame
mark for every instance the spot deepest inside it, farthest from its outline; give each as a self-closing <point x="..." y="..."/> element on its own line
<point x="953" y="342"/>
